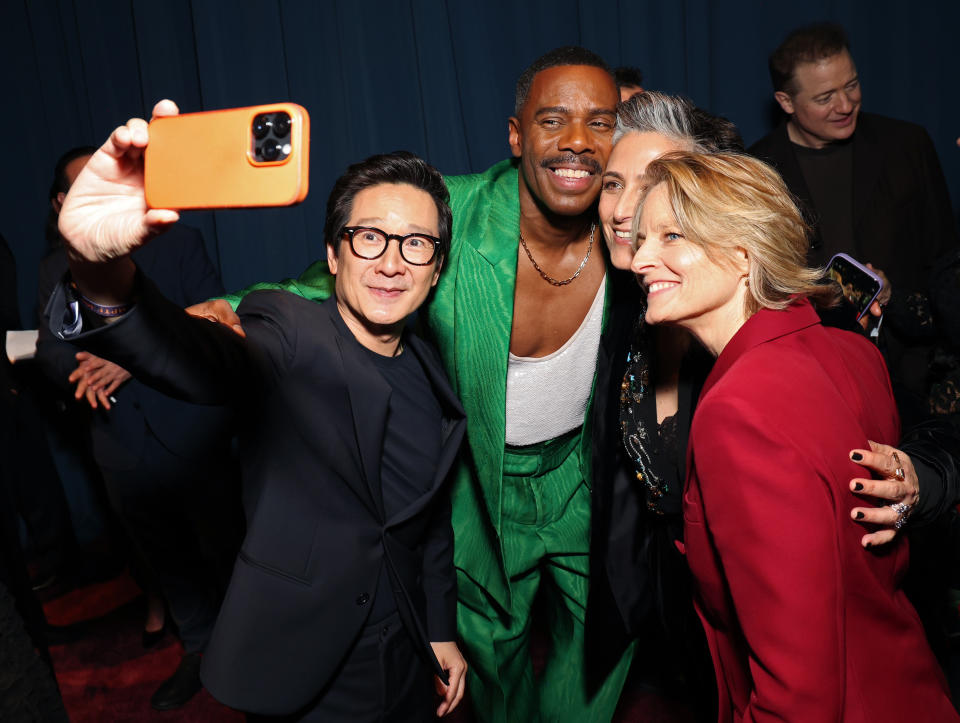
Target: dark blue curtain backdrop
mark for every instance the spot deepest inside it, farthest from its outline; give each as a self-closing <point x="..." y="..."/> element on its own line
<point x="432" y="76"/>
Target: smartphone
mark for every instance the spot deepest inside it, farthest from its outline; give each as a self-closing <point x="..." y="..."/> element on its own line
<point x="860" y="285"/>
<point x="234" y="158"/>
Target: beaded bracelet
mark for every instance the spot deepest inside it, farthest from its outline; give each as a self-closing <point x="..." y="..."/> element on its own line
<point x="101" y="309"/>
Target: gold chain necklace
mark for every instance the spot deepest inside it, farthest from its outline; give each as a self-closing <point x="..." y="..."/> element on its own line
<point x="547" y="277"/>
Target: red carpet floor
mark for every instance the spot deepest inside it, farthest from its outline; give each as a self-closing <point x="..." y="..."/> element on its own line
<point x="106" y="675"/>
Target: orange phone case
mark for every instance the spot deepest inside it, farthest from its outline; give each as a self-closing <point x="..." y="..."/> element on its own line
<point x="206" y="160"/>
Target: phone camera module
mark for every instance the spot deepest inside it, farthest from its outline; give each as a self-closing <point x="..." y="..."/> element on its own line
<point x="271" y="141"/>
<point x="270" y="150"/>
<point x="281" y="125"/>
<point x="261" y="126"/>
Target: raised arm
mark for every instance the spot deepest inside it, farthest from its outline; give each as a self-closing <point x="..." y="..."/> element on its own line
<point x="103" y="219"/>
<point x="315" y="284"/>
<point x="105" y="216"/>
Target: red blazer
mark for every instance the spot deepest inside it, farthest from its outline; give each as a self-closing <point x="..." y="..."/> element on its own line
<point x="803" y="624"/>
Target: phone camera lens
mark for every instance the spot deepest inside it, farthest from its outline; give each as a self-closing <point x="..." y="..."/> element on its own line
<point x="261" y="126"/>
<point x="281" y="125"/>
<point x="270" y="150"/>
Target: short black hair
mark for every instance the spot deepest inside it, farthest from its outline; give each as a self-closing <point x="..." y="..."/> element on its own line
<point x="61" y="184"/>
<point x="804" y="45"/>
<point x="628" y="77"/>
<point x="567" y="55"/>
<point x="716" y="133"/>
<point x="397" y="167"/>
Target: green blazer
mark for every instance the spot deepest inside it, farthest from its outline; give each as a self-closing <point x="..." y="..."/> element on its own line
<point x="469" y="318"/>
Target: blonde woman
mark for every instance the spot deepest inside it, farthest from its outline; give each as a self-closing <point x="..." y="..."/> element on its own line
<point x="802" y="623"/>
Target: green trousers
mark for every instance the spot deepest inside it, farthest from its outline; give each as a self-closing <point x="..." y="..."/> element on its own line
<point x="545" y="534"/>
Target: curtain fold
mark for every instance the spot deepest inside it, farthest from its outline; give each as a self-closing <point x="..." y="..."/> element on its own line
<point x="432" y="76"/>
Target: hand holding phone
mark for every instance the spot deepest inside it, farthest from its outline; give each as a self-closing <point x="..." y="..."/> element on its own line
<point x="860" y="285"/>
<point x="104" y="215"/>
<point x="239" y="157"/>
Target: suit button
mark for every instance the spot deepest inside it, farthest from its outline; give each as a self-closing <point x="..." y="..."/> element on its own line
<point x="136" y="405"/>
<point x="363" y="598"/>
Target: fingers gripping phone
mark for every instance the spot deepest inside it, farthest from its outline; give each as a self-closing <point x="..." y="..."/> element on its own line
<point x="860" y="285"/>
<point x="239" y="157"/>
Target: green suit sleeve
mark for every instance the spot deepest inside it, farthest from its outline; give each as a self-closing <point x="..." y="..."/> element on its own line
<point x="314" y="284"/>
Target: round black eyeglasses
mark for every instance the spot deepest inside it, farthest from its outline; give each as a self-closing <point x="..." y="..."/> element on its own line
<point x="418" y="249"/>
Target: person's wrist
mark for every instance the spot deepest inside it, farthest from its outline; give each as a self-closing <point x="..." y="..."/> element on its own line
<point x="105" y="310"/>
<point x="104" y="285"/>
<point x="926" y="474"/>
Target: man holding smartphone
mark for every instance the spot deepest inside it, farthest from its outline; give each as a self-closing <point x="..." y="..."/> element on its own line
<point x="526" y="309"/>
<point x="342" y="602"/>
<point x="871" y="186"/>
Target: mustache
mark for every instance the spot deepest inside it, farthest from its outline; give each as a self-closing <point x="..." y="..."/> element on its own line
<point x="574" y="159"/>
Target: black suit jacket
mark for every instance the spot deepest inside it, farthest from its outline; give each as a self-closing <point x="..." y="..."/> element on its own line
<point x="902" y="224"/>
<point x="619" y="584"/>
<point x="182" y="270"/>
<point x="902" y="219"/>
<point x="622" y="585"/>
<point x="314" y="414"/>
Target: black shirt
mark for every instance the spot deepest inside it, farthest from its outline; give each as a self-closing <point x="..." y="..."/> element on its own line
<point x="828" y="172"/>
<point x="411" y="444"/>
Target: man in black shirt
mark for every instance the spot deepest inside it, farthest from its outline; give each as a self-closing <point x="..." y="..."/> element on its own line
<point x="870" y="186"/>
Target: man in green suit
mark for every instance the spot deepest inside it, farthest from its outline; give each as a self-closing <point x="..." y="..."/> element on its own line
<point x="517" y="317"/>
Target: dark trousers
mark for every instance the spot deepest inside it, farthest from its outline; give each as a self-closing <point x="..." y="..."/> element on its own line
<point x="13" y="568"/>
<point x="28" y="691"/>
<point x="184" y="518"/>
<point x="39" y="495"/>
<point x="383" y="679"/>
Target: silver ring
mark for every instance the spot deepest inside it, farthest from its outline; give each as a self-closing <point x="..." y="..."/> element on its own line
<point x="903" y="511"/>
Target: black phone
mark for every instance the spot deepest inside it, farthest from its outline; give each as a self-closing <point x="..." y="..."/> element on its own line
<point x="860" y="285"/>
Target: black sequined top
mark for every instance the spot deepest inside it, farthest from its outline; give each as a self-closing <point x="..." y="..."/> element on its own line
<point x="657" y="454"/>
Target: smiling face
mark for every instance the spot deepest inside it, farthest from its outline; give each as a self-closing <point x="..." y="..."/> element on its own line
<point x="375" y="296"/>
<point x="563" y="137"/>
<point x="684" y="286"/>
<point x="622" y="186"/>
<point x="825" y="107"/>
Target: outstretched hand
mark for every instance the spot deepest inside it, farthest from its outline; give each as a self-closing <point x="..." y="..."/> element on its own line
<point x="105" y="214"/>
